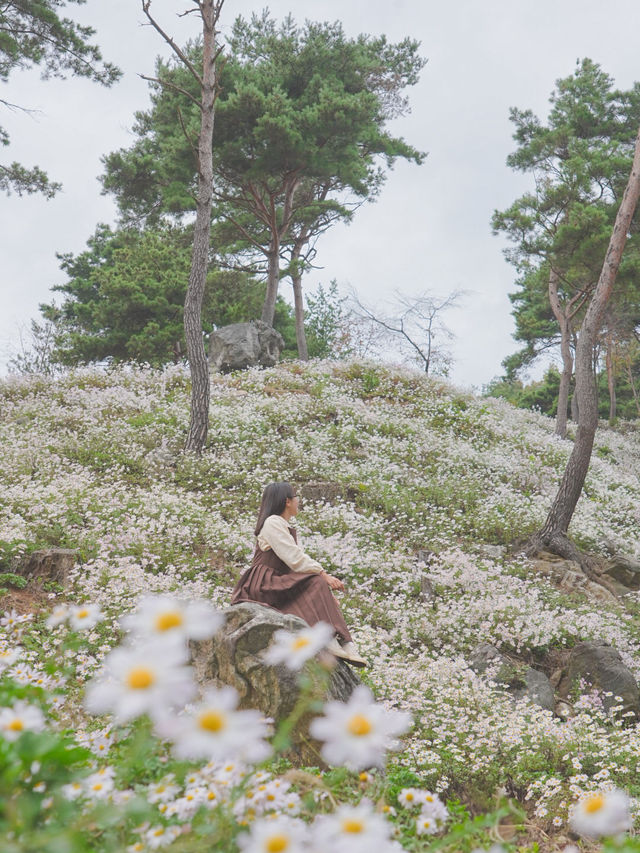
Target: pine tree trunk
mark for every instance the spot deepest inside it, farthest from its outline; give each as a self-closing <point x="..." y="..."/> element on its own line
<point x="632" y="383"/>
<point x="200" y="388"/>
<point x="554" y="531"/>
<point x="273" y="281"/>
<point x="298" y="304"/>
<point x="565" y="348"/>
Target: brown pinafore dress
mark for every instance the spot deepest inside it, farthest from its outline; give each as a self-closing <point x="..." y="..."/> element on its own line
<point x="270" y="581"/>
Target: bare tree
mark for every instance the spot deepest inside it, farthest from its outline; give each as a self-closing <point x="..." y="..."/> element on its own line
<point x="417" y="327"/>
<point x="553" y="534"/>
<point x="207" y="79"/>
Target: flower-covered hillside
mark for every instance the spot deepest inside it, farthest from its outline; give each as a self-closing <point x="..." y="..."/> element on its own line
<point x="92" y="461"/>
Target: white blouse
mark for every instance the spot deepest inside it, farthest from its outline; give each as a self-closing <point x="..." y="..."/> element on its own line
<point x="275" y="535"/>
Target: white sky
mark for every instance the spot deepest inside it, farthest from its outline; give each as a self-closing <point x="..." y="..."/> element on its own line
<point x="429" y="230"/>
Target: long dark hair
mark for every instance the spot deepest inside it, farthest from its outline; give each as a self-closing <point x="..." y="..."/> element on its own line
<point x="274" y="500"/>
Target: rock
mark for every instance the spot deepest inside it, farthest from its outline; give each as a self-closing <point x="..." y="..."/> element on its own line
<point x="234" y="657"/>
<point x="624" y="570"/>
<point x="49" y="564"/>
<point x="569" y="577"/>
<point x="327" y="492"/>
<point x="427" y="592"/>
<point x="600" y="665"/>
<point x="243" y="345"/>
<point x="521" y="681"/>
<point x="491" y="552"/>
<point x="425" y="556"/>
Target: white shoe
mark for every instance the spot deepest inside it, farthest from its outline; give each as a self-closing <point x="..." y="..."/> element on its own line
<point x="348" y="653"/>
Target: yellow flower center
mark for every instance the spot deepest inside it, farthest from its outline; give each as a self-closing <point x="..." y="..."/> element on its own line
<point x="82" y="614"/>
<point x="300" y="643"/>
<point x="97" y="786"/>
<point x="169" y="619"/>
<point x="212" y="721"/>
<point x="593" y="803"/>
<point x="359" y="725"/>
<point x="352" y="825"/>
<point x="277" y="843"/>
<point x="409" y="796"/>
<point x="16" y="725"/>
<point x="211" y="795"/>
<point x="140" y="677"/>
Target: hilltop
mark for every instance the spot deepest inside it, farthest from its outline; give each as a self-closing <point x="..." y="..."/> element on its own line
<point x="92" y="461"/>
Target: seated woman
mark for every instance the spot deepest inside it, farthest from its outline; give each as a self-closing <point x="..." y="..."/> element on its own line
<point x="282" y="576"/>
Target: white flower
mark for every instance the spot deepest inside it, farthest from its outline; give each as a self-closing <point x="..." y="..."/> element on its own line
<point x="409" y="798"/>
<point x="160" y="836"/>
<point x="98" y="785"/>
<point x="162" y="791"/>
<point x="20" y="717"/>
<point x="57" y="616"/>
<point x="8" y="657"/>
<point x="274" y="835"/>
<point x="147" y="679"/>
<point x="601" y="813"/>
<point x="294" y="648"/>
<point x="165" y="616"/>
<point x="353" y="829"/>
<point x="215" y="730"/>
<point x="426" y="825"/>
<point x="359" y="732"/>
<point x="85" y="616"/>
<point x="12" y="619"/>
<point x="432" y="806"/>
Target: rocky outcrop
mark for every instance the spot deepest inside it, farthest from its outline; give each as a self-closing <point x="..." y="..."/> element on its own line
<point x="234" y="657"/>
<point x="599" y="665"/>
<point x="569" y="577"/>
<point x="243" y="345"/>
<point x="49" y="564"/>
<point x="519" y="680"/>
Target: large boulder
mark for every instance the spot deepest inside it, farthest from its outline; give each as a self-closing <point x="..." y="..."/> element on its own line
<point x="520" y="681"/>
<point x="243" y="345"/>
<point x="234" y="656"/>
<point x="49" y="564"/>
<point x="600" y="666"/>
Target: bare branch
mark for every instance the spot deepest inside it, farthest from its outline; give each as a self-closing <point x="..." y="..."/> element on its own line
<point x="146" y="5"/>
<point x="167" y="84"/>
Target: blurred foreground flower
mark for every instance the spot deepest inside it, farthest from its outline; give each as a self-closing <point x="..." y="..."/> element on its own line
<point x="353" y="829"/>
<point x="147" y="679"/>
<point x="601" y="813"/>
<point x="20" y="717"/>
<point x="165" y="616"/>
<point x="8" y="657"/>
<point x="275" y="835"/>
<point x="358" y="733"/>
<point x="84" y="617"/>
<point x="215" y="730"/>
<point x="295" y="648"/>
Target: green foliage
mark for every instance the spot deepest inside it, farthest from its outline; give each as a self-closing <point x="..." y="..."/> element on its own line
<point x="580" y="161"/>
<point x="124" y="299"/>
<point x="34" y="35"/>
<point x="324" y="322"/>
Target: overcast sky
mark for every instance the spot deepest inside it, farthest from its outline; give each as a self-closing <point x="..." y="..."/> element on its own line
<point x="430" y="228"/>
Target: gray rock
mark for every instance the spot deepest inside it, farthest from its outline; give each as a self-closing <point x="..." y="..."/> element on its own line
<point x="491" y="552"/>
<point x="49" y="564"/>
<point x="234" y="657"/>
<point x="243" y="345"/>
<point x="600" y="665"/>
<point x="624" y="570"/>
<point x="322" y="491"/>
<point x="520" y="681"/>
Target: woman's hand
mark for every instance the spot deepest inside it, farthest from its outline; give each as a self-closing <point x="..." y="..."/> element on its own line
<point x="334" y="583"/>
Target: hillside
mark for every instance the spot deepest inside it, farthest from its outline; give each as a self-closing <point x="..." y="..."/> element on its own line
<point x="91" y="461"/>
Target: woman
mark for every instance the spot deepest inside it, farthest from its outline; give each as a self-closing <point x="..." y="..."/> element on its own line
<point x="282" y="576"/>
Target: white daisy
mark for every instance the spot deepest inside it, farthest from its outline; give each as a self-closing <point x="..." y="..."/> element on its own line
<point x="274" y="835"/>
<point x="359" y="732"/>
<point x="8" y="657"/>
<point x="165" y="616"/>
<point x="57" y="616"/>
<point x="601" y="813"/>
<point x="84" y="617"/>
<point x="353" y="829"/>
<point x="294" y="648"/>
<point x="20" y="717"/>
<point x="147" y="679"/>
<point x="215" y="730"/>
